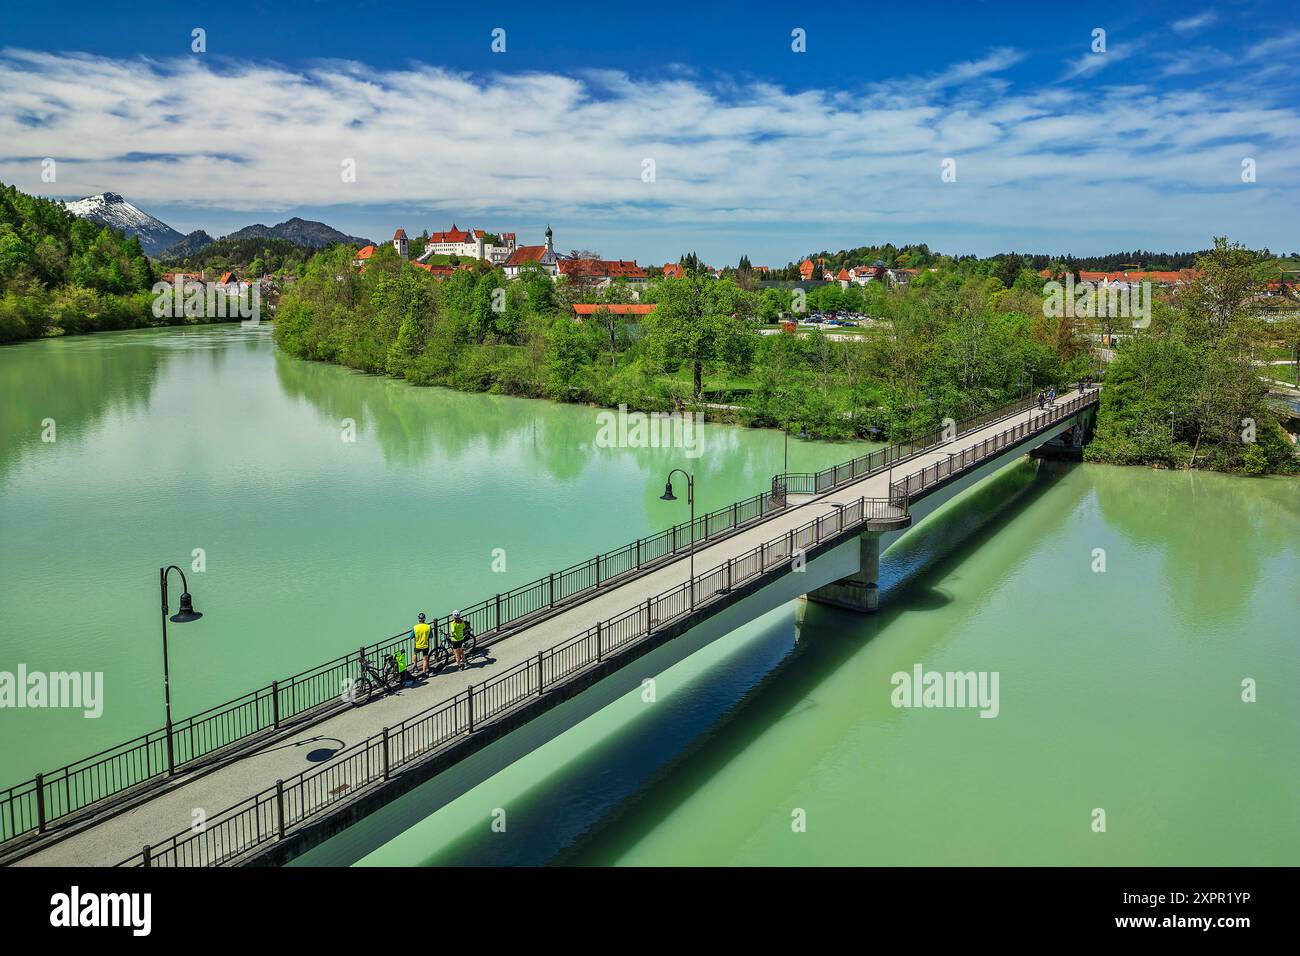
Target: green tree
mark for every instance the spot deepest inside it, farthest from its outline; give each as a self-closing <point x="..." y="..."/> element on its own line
<point x="699" y="321"/>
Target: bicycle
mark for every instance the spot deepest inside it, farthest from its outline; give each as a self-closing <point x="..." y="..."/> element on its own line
<point x="372" y="680"/>
<point x="442" y="656"/>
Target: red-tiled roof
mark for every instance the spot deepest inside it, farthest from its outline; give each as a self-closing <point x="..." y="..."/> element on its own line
<point x="674" y="271"/>
<point x="226" y="277"/>
<point x="451" y="235"/>
<point x="589" y="308"/>
<point x="1182" y="275"/>
<point x="601" y="268"/>
<point x="365" y="253"/>
<point x="523" y="254"/>
<point x="843" y="274"/>
<point x="442" y="271"/>
<point x="400" y="234"/>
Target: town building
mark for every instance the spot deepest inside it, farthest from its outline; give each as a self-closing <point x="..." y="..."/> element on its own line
<point x="469" y="244"/>
<point x="601" y="272"/>
<point x="1126" y="279"/>
<point x="400" y="244"/>
<point x="540" y="257"/>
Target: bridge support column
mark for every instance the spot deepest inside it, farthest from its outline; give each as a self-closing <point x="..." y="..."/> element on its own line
<point x="857" y="592"/>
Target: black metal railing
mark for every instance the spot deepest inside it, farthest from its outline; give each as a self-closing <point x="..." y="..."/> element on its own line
<point x="804" y="483"/>
<point x="32" y="805"/>
<point x="269" y="814"/>
<point x="907" y="488"/>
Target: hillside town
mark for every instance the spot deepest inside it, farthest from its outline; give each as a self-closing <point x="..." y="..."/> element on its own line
<point x="441" y="253"/>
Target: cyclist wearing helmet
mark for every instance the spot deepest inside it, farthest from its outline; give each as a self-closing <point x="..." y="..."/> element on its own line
<point x="421" y="633"/>
<point x="458" y="638"/>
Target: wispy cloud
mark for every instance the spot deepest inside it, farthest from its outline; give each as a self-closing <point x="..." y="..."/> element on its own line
<point x="1044" y="166"/>
<point x="1195" y="22"/>
<point x="1262" y="58"/>
<point x="1090" y="64"/>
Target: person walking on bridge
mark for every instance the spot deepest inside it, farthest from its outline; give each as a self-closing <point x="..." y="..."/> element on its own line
<point x="1041" y="399"/>
<point x="458" y="639"/>
<point x="1051" y="396"/>
<point x="421" y="632"/>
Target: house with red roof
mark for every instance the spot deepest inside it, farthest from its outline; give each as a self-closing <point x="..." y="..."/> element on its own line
<point x="629" y="311"/>
<point x="1167" y="279"/>
<point x="362" y="257"/>
<point x="539" y="257"/>
<point x="674" y="271"/>
<point x="400" y="244"/>
<point x="602" y="272"/>
<point x="876" y="272"/>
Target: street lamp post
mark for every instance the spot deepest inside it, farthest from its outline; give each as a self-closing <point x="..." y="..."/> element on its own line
<point x="182" y="616"/>
<point x="803" y="436"/>
<point x="690" y="499"/>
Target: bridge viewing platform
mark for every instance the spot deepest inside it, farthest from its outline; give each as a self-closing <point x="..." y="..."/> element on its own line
<point x="241" y="787"/>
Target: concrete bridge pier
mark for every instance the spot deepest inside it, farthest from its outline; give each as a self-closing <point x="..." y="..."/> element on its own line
<point x="859" y="591"/>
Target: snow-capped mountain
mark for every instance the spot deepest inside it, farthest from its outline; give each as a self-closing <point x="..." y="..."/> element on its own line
<point x="110" y="209"/>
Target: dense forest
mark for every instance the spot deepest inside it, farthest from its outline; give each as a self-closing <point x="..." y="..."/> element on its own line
<point x="254" y="256"/>
<point x="61" y="274"/>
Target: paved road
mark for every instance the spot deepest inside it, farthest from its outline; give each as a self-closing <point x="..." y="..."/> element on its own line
<point x="158" y="819"/>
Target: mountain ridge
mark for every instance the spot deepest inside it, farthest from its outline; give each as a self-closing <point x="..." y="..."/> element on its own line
<point x="160" y="240"/>
<point x="110" y="209"/>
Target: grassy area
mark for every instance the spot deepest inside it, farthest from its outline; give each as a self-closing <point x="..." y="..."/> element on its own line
<point x="439" y="259"/>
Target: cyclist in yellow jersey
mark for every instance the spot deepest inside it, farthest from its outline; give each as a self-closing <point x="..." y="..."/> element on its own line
<point x="458" y="638"/>
<point x="421" y="632"/>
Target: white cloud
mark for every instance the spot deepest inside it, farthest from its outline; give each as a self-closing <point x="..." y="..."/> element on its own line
<point x="503" y="149"/>
<point x="1090" y="63"/>
<point x="1195" y="22"/>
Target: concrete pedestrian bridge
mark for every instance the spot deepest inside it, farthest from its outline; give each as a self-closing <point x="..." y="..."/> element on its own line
<point x="236" y="785"/>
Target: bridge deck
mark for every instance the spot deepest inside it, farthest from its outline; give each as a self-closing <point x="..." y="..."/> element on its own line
<point x="119" y="836"/>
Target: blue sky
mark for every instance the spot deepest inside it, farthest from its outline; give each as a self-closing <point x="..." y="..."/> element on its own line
<point x="645" y="130"/>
